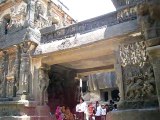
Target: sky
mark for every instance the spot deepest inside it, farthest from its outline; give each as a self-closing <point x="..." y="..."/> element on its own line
<point x="84" y="9"/>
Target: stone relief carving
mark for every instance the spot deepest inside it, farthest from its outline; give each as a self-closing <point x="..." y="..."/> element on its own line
<point x="25" y="66"/>
<point x="137" y="72"/>
<point x="40" y="19"/>
<point x="138" y="88"/>
<point x="127" y="14"/>
<point x="119" y="16"/>
<point x="133" y="54"/>
<point x="18" y="16"/>
<point x="148" y="17"/>
<point x="43" y="84"/>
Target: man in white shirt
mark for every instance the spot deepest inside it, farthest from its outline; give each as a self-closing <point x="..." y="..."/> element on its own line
<point x="81" y="109"/>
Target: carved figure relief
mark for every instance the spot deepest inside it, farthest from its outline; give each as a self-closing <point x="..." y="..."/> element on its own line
<point x="40" y="20"/>
<point x="43" y="84"/>
<point x="137" y="72"/>
<point x="25" y="66"/>
<point x="18" y="15"/>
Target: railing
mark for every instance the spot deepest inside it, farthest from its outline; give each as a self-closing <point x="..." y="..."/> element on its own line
<point x="120" y="16"/>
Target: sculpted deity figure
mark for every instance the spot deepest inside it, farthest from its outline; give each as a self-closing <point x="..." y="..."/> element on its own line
<point x="25" y="67"/>
<point x="43" y="84"/>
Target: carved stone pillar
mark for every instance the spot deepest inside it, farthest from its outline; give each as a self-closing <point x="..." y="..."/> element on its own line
<point x="154" y="54"/>
<point x="148" y="14"/>
<point x="25" y="74"/>
<point x="43" y="83"/>
<point x="137" y="77"/>
<point x="17" y="70"/>
<point x="5" y="72"/>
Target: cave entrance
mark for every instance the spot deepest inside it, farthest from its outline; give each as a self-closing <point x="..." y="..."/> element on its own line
<point x="63" y="88"/>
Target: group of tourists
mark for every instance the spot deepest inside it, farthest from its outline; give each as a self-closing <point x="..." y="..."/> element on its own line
<point x="64" y="113"/>
<point x="84" y="111"/>
<point x="93" y="111"/>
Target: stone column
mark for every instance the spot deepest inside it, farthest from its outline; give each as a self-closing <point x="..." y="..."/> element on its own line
<point x="80" y="85"/>
<point x="25" y="73"/>
<point x="16" y="70"/>
<point x="109" y="94"/>
<point x="156" y="68"/>
<point x="149" y="19"/>
<point x="5" y="72"/>
<point x="119" y="80"/>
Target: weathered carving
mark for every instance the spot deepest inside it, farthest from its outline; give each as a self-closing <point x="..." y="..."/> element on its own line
<point x="17" y="70"/>
<point x="43" y="84"/>
<point x="40" y="20"/>
<point x="127" y="14"/>
<point x="133" y="54"/>
<point x="138" y="76"/>
<point x="117" y="17"/>
<point x="39" y="10"/>
<point x="18" y="16"/>
<point x="64" y="45"/>
<point x="25" y="66"/>
<point x="148" y="17"/>
<point x="4" y="73"/>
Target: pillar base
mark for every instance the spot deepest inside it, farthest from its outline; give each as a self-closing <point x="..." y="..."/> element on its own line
<point x="135" y="114"/>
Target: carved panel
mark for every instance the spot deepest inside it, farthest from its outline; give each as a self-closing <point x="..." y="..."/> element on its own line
<point x="133" y="54"/>
<point x="137" y="72"/>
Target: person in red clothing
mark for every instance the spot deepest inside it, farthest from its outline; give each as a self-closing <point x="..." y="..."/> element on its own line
<point x="91" y="111"/>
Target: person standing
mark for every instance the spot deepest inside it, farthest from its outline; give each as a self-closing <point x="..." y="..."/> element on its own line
<point x="104" y="111"/>
<point x="81" y="109"/>
<point x="91" y="111"/>
<point x="98" y="111"/>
